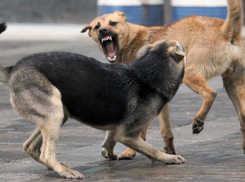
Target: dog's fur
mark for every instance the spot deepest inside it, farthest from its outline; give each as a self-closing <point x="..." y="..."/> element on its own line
<point x="213" y="47"/>
<point x="48" y="88"/>
<point x="3" y="27"/>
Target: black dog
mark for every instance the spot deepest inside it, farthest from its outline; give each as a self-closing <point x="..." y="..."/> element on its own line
<point x="48" y="88"/>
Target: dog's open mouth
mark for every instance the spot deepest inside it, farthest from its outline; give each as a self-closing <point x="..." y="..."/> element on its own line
<point x="109" y="45"/>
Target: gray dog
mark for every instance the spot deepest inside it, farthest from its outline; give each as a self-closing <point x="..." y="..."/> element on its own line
<point x="48" y="88"/>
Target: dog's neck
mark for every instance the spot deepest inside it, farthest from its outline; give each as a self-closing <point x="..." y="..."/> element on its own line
<point x="157" y="75"/>
<point x="132" y="38"/>
<point x="138" y="37"/>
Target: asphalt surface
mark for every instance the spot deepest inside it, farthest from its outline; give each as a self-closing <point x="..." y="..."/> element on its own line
<point x="214" y="155"/>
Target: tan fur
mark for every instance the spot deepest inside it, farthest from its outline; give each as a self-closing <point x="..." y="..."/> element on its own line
<point x="213" y="47"/>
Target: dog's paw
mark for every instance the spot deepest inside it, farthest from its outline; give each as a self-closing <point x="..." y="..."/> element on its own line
<point x="198" y="126"/>
<point x="106" y="154"/>
<point x="175" y="159"/>
<point x="71" y="174"/>
<point x="127" y="154"/>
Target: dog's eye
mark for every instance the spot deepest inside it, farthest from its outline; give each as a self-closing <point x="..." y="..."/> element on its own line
<point x="97" y="27"/>
<point x="113" y="23"/>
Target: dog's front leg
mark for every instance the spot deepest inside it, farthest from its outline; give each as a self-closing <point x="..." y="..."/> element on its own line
<point x="130" y="153"/>
<point x="148" y="150"/>
<point x="166" y="131"/>
<point x="108" y="145"/>
<point x="199" y="85"/>
<point x="167" y="135"/>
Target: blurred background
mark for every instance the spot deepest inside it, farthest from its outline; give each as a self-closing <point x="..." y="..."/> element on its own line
<point x="54" y="25"/>
<point x="145" y="12"/>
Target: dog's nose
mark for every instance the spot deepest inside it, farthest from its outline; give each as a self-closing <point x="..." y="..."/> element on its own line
<point x="103" y="30"/>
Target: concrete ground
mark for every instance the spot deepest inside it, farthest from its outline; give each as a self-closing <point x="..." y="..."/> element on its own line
<point x="214" y="155"/>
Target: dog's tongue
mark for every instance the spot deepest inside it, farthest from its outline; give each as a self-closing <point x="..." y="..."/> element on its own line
<point x="110" y="49"/>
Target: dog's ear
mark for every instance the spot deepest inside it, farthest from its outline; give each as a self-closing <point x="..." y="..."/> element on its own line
<point x="143" y="51"/>
<point x="121" y="14"/>
<point x="88" y="27"/>
<point x="177" y="52"/>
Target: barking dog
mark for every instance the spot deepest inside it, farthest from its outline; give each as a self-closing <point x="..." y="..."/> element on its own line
<point x="48" y="88"/>
<point x="213" y="47"/>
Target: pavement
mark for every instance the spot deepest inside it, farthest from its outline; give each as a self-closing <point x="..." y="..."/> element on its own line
<point x="214" y="155"/>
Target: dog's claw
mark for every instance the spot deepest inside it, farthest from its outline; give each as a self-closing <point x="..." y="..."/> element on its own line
<point x="127" y="154"/>
<point x="198" y="126"/>
<point x="106" y="154"/>
<point x="71" y="174"/>
<point x="176" y="159"/>
<point x="124" y="157"/>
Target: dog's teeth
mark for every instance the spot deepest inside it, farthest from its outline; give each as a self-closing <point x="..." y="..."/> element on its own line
<point x="113" y="58"/>
<point x="106" y="38"/>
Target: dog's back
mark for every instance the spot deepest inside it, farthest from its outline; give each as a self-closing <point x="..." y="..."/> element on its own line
<point x="88" y="87"/>
<point x="212" y="45"/>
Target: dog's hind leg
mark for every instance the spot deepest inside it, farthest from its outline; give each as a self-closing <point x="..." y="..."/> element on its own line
<point x="108" y="145"/>
<point x="50" y="132"/>
<point x="39" y="101"/>
<point x="33" y="145"/>
<point x="50" y="127"/>
<point x="199" y="85"/>
<point x="234" y="83"/>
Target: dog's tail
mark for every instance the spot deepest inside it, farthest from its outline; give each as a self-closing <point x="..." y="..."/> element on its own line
<point x="232" y="28"/>
<point x="3" y="27"/>
<point x="5" y="73"/>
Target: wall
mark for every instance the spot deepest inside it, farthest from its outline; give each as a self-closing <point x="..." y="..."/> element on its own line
<point x="48" y="11"/>
<point x="57" y="11"/>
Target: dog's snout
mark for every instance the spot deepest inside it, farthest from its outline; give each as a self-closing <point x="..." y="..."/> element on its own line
<point x="103" y="30"/>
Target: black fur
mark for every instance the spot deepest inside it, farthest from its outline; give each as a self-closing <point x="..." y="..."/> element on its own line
<point x="48" y="88"/>
<point x="3" y="27"/>
<point x="99" y="93"/>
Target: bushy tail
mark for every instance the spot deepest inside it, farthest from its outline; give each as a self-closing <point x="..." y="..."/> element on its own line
<point x="3" y="27"/>
<point x="232" y="28"/>
<point x="5" y="73"/>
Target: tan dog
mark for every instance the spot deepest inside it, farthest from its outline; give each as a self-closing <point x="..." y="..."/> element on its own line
<point x="213" y="47"/>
